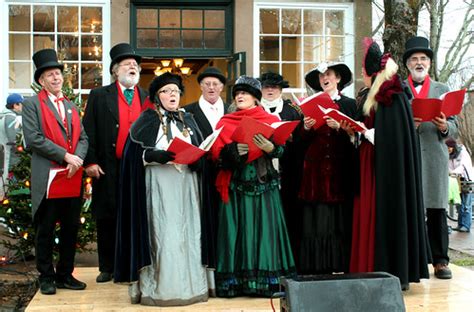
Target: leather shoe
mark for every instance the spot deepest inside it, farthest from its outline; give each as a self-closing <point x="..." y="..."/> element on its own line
<point x="104" y="277"/>
<point x="442" y="271"/>
<point x="405" y="287"/>
<point x="69" y="282"/>
<point x="47" y="287"/>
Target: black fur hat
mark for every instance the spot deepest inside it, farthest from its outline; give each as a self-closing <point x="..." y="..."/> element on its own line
<point x="372" y="57"/>
<point x="248" y="84"/>
<point x="273" y="79"/>
<point x="163" y="80"/>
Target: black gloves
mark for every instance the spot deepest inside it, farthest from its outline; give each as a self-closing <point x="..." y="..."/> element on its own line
<point x="159" y="156"/>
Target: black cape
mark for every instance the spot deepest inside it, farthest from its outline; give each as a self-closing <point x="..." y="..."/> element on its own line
<point x="401" y="245"/>
<point x="132" y="250"/>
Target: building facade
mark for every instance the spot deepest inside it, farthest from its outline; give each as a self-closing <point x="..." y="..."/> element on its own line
<point x="182" y="36"/>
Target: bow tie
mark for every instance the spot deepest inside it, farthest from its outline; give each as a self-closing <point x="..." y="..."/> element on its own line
<point x="172" y="116"/>
<point x="416" y="83"/>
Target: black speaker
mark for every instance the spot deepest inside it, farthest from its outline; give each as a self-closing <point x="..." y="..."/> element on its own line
<point x="376" y="291"/>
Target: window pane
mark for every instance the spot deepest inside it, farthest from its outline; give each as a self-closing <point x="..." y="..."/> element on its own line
<point x="214" y="39"/>
<point x="292" y="73"/>
<point x="170" y="38"/>
<point x="147" y="38"/>
<point x="68" y="19"/>
<point x="70" y="74"/>
<point x="43" y="18"/>
<point x="91" y="76"/>
<point x="19" y="17"/>
<point x="214" y="19"/>
<point x="334" y="49"/>
<point x="291" y="48"/>
<point x="269" y="47"/>
<point x="335" y="22"/>
<point x="68" y="46"/>
<point x="91" y="19"/>
<point x="20" y="47"/>
<point x="91" y="48"/>
<point x="20" y="75"/>
<point x="147" y="18"/>
<point x="192" y="18"/>
<point x="192" y="38"/>
<point x="269" y="67"/>
<point x="170" y="19"/>
<point x="291" y="21"/>
<point x="313" y="22"/>
<point x="269" y="20"/>
<point x="313" y="49"/>
<point x="43" y="42"/>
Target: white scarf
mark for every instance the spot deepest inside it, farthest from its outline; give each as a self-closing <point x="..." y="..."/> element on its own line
<point x="277" y="104"/>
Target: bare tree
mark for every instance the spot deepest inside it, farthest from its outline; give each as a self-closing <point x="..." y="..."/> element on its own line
<point x="401" y="23"/>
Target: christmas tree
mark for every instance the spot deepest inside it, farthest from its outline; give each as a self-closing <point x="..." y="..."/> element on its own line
<point x="15" y="210"/>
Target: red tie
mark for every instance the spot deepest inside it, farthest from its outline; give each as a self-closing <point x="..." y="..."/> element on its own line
<point x="58" y="102"/>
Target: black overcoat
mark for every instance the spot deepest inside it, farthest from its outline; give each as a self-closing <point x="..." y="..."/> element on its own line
<point x="101" y="123"/>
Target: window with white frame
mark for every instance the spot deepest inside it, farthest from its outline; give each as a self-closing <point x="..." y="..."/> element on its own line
<point x="75" y="31"/>
<point x="294" y="38"/>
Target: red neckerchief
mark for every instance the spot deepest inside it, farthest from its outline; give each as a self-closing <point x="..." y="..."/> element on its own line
<point x="51" y="128"/>
<point x="424" y="89"/>
<point x="230" y="123"/>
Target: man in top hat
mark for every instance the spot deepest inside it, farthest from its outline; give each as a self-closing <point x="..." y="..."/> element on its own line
<point x="10" y="126"/>
<point x="207" y="111"/>
<point x="109" y="113"/>
<point x="53" y="132"/>
<point x="434" y="155"/>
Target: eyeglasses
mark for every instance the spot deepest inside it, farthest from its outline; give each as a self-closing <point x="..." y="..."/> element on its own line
<point x="416" y="59"/>
<point x="170" y="91"/>
<point x="211" y="84"/>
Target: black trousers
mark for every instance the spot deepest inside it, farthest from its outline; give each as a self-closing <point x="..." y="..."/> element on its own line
<point x="66" y="211"/>
<point x="106" y="228"/>
<point x="438" y="235"/>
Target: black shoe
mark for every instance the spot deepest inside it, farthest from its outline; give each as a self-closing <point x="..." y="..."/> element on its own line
<point x="47" y="286"/>
<point x="442" y="271"/>
<point x="104" y="277"/>
<point x="405" y="287"/>
<point x="69" y="282"/>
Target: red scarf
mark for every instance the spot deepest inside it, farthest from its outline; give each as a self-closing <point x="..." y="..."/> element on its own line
<point x="51" y="128"/>
<point x="424" y="89"/>
<point x="230" y="123"/>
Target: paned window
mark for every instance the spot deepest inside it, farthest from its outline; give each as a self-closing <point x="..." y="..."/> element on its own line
<point x="74" y="31"/>
<point x="291" y="40"/>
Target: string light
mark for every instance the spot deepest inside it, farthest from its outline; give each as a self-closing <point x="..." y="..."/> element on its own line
<point x="25" y="235"/>
<point x="19" y="148"/>
<point x="27" y="183"/>
<point x="5" y="201"/>
<point x="83" y="220"/>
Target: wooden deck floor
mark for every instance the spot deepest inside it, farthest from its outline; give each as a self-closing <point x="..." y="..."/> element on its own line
<point x="456" y="294"/>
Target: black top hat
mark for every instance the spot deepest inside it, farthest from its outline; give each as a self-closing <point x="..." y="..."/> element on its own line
<point x="161" y="81"/>
<point x="122" y="51"/>
<point x="273" y="79"/>
<point x="212" y="72"/>
<point x="312" y="77"/>
<point x="248" y="84"/>
<point x="417" y="44"/>
<point x="45" y="59"/>
<point x="372" y="57"/>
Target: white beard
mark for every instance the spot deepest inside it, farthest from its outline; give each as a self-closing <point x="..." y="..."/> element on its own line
<point x="418" y="76"/>
<point x="129" y="81"/>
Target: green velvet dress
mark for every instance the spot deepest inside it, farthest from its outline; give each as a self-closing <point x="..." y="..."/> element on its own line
<point x="253" y="248"/>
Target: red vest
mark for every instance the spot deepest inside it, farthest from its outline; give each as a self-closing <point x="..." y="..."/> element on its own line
<point x="127" y="115"/>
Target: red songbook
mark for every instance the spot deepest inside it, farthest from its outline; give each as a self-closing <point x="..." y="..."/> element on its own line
<point x="249" y="127"/>
<point x="59" y="186"/>
<point x="186" y="153"/>
<point x="283" y="130"/>
<point x="338" y="116"/>
<point x="310" y="107"/>
<point x="449" y="103"/>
